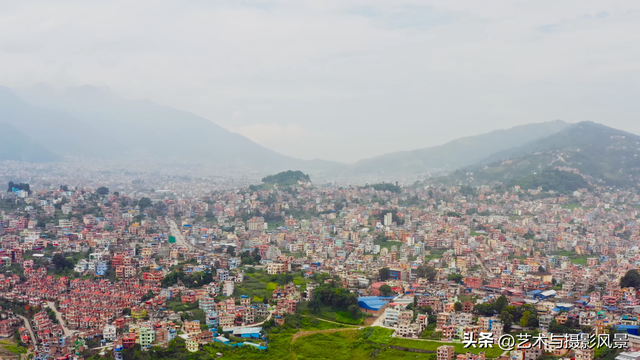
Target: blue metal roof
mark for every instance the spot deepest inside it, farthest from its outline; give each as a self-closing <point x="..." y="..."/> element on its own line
<point x="374" y="303"/>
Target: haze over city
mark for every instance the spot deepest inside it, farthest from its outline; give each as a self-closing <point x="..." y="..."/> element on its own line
<point x="340" y="80"/>
<point x="319" y="180"/>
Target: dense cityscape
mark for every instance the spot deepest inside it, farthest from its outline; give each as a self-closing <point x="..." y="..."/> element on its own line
<point x="186" y="269"/>
<point x="319" y="180"/>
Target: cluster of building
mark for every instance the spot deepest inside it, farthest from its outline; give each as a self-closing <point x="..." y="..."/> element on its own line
<point x="562" y="254"/>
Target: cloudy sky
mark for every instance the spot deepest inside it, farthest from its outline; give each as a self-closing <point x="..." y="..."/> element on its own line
<point x="341" y="79"/>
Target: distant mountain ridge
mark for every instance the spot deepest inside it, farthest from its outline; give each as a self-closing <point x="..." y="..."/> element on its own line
<point x="594" y="150"/>
<point x="17" y="146"/>
<point x="96" y="123"/>
<point x="41" y="124"/>
<point x="457" y="153"/>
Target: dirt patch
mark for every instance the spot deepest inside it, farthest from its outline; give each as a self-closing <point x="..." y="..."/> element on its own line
<point x="370" y="320"/>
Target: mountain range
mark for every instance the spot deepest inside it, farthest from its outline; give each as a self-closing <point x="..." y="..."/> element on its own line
<point x="594" y="150"/>
<point x="40" y="124"/>
<point x="93" y="122"/>
<point x="457" y="153"/>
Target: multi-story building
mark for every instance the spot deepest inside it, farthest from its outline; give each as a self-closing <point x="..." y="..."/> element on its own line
<point x="226" y="320"/>
<point x="207" y="304"/>
<point x="222" y="274"/>
<point x="192" y="344"/>
<point x="585" y="354"/>
<point x="146" y="336"/>
<point x="212" y="319"/>
<point x="227" y="288"/>
<point x="446" y="352"/>
<point x="391" y="315"/>
<point x="191" y="327"/>
<point x="109" y="333"/>
<point x="276" y="268"/>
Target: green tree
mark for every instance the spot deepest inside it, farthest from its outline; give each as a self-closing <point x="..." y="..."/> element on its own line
<point x="457" y="306"/>
<point x="102" y="191"/>
<point x="507" y="320"/>
<point x="386" y="290"/>
<point x="144" y="203"/>
<point x="426" y="271"/>
<point x="61" y="263"/>
<point x="524" y="320"/>
<point x="354" y="311"/>
<point x="501" y="303"/>
<point x="631" y="279"/>
<point x="532" y="321"/>
<point x="333" y="295"/>
<point x="255" y="254"/>
<point x="314" y="305"/>
<point x="384" y="273"/>
<point x="455" y="277"/>
<point x="231" y="250"/>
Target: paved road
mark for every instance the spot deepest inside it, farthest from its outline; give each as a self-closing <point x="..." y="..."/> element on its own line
<point x="257" y="324"/>
<point x="28" y="325"/>
<point x="165" y="271"/>
<point x="175" y="232"/>
<point x="481" y="264"/>
<point x="52" y="306"/>
<point x="264" y="321"/>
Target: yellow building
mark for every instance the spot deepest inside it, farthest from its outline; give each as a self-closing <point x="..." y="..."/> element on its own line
<point x="192" y="327"/>
<point x="138" y="313"/>
<point x="192" y="344"/>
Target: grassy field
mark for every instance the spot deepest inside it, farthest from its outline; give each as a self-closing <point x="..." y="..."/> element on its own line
<point x="8" y="348"/>
<point x="254" y="285"/>
<point x="573" y="256"/>
<point x="435" y="254"/>
<point x="330" y="314"/>
<point x="261" y="285"/>
<point x="366" y="344"/>
<point x="345" y="345"/>
<point x="176" y="305"/>
<point x="383" y="336"/>
<point x="310" y="324"/>
<point x="580" y="260"/>
<point x="196" y="314"/>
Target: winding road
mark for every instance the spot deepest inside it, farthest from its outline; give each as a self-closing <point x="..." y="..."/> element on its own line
<point x="66" y="330"/>
<point x="27" y="324"/>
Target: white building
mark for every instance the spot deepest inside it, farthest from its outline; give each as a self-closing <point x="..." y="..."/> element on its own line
<point x="629" y="355"/>
<point x="388" y="219"/>
<point x="227" y="288"/>
<point x="109" y="333"/>
<point x="81" y="266"/>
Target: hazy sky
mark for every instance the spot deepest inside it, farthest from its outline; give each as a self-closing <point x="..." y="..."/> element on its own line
<point x="341" y="79"/>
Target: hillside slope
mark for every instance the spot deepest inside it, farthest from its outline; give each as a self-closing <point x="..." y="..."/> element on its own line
<point x="15" y="145"/>
<point x="605" y="154"/>
<point x="97" y="123"/>
<point x="457" y="153"/>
